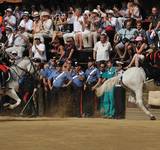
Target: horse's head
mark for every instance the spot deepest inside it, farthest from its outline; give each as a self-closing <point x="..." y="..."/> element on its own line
<point x="26" y="65"/>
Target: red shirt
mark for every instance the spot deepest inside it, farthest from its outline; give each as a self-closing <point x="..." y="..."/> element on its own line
<point x="4" y="68"/>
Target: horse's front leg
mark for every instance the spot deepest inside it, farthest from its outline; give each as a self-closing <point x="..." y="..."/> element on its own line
<point x="139" y="102"/>
<point x="12" y="93"/>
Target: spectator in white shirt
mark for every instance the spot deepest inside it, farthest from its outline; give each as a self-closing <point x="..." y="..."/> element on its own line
<point x="26" y="22"/>
<point x="9" y="19"/>
<point x="38" y="49"/>
<point x="102" y="49"/>
<point x="47" y="25"/>
<point x="86" y="29"/>
<point x="20" y="42"/>
<point x="77" y="28"/>
<point x="95" y="24"/>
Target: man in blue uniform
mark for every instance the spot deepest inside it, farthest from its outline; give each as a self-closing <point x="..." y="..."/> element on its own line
<point x="92" y="74"/>
<point x="78" y="77"/>
<point x="57" y="81"/>
<point x="48" y="69"/>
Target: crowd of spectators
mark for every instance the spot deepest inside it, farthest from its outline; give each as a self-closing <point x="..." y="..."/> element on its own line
<point x="53" y="37"/>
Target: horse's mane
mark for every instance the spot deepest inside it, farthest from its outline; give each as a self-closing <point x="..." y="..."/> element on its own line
<point x="23" y="60"/>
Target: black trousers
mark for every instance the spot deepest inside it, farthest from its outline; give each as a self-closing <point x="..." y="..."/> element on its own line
<point x="3" y="78"/>
<point x="89" y="101"/>
<point x="77" y="96"/>
<point x="53" y="99"/>
<point x="120" y="102"/>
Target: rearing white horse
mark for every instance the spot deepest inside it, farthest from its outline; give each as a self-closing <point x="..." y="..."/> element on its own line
<point x="16" y="72"/>
<point x="134" y="79"/>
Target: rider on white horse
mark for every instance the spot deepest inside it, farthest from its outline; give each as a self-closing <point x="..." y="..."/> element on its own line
<point x="4" y="75"/>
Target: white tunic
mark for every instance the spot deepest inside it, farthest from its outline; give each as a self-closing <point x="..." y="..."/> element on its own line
<point x="102" y="50"/>
<point x="10" y="19"/>
<point x="77" y="27"/>
<point x="28" y="25"/>
<point x="41" y="48"/>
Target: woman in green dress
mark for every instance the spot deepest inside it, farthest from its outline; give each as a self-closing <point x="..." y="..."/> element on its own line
<point x="102" y="69"/>
<point x="109" y="102"/>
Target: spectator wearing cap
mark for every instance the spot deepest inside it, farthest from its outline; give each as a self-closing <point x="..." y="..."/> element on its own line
<point x="27" y="22"/>
<point x="10" y="19"/>
<point x="92" y="75"/>
<point x="37" y="23"/>
<point x="95" y="24"/>
<point x="38" y="49"/>
<point x="112" y="19"/>
<point x="78" y="77"/>
<point x="77" y="29"/>
<point x="10" y="36"/>
<point x="47" y="24"/>
<point x="86" y="29"/>
<point x="123" y="38"/>
<point x="20" y="42"/>
<point x="102" y="49"/>
<point x="141" y="48"/>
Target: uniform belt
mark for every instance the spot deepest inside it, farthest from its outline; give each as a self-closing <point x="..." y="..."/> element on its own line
<point x="19" y="45"/>
<point x="91" y="83"/>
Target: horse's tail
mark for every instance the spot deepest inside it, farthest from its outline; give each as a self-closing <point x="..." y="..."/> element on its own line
<point x="107" y="85"/>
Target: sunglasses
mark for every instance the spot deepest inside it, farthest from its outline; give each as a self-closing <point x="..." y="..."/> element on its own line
<point x="36" y="39"/>
<point x="68" y="41"/>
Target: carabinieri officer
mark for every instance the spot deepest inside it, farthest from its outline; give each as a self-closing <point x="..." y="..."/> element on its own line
<point x="92" y="75"/>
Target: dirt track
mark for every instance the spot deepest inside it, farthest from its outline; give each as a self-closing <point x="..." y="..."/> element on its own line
<point x="80" y="134"/>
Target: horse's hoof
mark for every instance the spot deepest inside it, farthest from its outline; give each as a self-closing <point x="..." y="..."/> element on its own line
<point x="153" y="118"/>
<point x="11" y="107"/>
<point x="6" y="105"/>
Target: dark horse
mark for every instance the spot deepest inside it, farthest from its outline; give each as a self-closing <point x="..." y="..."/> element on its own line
<point x="151" y="65"/>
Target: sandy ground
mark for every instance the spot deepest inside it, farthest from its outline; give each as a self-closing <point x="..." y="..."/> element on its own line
<point x="134" y="133"/>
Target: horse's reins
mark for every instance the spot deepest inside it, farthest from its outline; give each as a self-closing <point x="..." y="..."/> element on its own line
<point x="32" y="64"/>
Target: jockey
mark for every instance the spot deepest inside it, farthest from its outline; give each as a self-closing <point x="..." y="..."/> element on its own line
<point x="4" y="74"/>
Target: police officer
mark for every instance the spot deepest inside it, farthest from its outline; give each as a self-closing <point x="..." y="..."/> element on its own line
<point x="78" y="77"/>
<point x="57" y="81"/>
<point x="92" y="74"/>
<point x="47" y="70"/>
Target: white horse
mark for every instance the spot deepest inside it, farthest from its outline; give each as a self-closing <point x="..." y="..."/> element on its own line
<point x="134" y="79"/>
<point x="16" y="72"/>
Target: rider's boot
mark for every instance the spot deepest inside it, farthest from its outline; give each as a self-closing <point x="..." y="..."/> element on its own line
<point x="3" y="82"/>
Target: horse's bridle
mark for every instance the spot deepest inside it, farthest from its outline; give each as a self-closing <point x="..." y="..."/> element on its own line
<point x="27" y="72"/>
